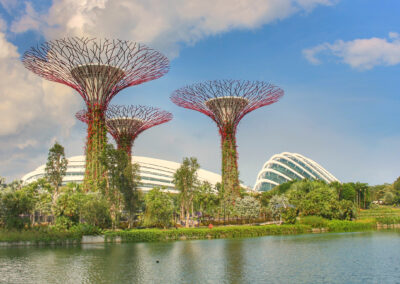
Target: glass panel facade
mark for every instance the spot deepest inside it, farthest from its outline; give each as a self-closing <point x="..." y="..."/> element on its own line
<point x="155" y="173"/>
<point x="275" y="177"/>
<point x="265" y="186"/>
<point x="284" y="171"/>
<point x="155" y="179"/>
<point x="296" y="168"/>
<point x="292" y="166"/>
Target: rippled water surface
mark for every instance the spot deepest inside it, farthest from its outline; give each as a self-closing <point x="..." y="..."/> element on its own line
<point x="371" y="257"/>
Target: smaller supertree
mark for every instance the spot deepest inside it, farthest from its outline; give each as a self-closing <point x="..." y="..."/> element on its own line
<point x="227" y="102"/>
<point x="125" y="123"/>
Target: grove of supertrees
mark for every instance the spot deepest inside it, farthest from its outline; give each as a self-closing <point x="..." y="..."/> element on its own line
<point x="227" y="102"/>
<point x="97" y="69"/>
<point x="125" y="123"/>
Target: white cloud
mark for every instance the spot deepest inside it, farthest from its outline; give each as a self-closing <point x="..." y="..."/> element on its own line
<point x="363" y="54"/>
<point x="32" y="111"/>
<point x="29" y="21"/>
<point x="9" y="5"/>
<point x="164" y="24"/>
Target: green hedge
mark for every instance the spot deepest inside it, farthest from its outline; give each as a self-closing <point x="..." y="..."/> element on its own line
<point x="389" y="220"/>
<point x="349" y="226"/>
<point x="152" y="235"/>
<point x="49" y="234"/>
<point x="314" y="221"/>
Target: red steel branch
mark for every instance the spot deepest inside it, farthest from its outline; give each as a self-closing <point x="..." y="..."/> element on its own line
<point x="125" y="123"/>
<point x="111" y="65"/>
<point x="97" y="69"/>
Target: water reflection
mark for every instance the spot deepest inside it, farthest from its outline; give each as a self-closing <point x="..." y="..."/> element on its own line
<point x="370" y="257"/>
<point x="234" y="258"/>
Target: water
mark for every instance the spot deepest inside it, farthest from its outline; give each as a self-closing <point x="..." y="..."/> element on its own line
<point x="369" y="257"/>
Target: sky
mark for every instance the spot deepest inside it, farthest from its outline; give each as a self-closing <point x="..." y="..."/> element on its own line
<point x="338" y="62"/>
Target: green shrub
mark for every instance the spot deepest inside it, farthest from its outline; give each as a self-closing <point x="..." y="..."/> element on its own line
<point x="49" y="234"/>
<point x="314" y="221"/>
<point x="152" y="235"/>
<point x="85" y="230"/>
<point x="95" y="211"/>
<point x="388" y="220"/>
<point x="289" y="216"/>
<point x="349" y="226"/>
<point x="63" y="223"/>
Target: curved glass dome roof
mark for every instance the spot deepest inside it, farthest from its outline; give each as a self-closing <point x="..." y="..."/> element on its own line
<point x="286" y="166"/>
<point x="153" y="173"/>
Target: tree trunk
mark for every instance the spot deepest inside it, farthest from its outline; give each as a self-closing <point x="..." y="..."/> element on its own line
<point x="182" y="214"/>
<point x="96" y="141"/>
<point x="230" y="173"/>
<point x="187" y="219"/>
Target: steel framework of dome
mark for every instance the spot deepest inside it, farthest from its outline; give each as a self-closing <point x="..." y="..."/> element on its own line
<point x="284" y="167"/>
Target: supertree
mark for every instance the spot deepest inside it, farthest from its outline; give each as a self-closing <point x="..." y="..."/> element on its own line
<point x="227" y="102"/>
<point x="97" y="70"/>
<point x="125" y="123"/>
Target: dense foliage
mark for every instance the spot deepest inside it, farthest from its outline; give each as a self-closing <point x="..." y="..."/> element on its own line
<point x="159" y="208"/>
<point x="56" y="168"/>
<point x="117" y="203"/>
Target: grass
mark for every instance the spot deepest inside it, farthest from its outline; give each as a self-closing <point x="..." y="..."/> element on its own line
<point x="153" y="235"/>
<point x="350" y="226"/>
<point x="379" y="212"/>
<point x="37" y="236"/>
<point x="48" y="234"/>
<point x="368" y="221"/>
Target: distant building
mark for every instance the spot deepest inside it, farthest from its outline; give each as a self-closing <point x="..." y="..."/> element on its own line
<point x="284" y="167"/>
<point x="153" y="173"/>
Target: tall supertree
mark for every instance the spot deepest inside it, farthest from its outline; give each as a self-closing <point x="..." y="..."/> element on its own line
<point x="125" y="123"/>
<point x="97" y="70"/>
<point x="227" y="102"/>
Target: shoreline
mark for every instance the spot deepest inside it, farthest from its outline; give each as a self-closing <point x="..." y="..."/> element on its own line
<point x="223" y="232"/>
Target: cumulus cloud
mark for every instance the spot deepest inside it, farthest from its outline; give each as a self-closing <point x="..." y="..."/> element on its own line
<point x="164" y="24"/>
<point x="33" y="112"/>
<point x="363" y="54"/>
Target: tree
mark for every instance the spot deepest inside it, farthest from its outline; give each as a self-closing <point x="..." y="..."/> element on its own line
<point x="114" y="162"/>
<point x="56" y="168"/>
<point x="121" y="183"/>
<point x="14" y="206"/>
<point x="206" y="200"/>
<point x="388" y="198"/>
<point x="277" y="205"/>
<point x="186" y="181"/>
<point x="348" y="192"/>
<point x="94" y="210"/>
<point x="362" y="194"/>
<point x="159" y="208"/>
<point x="129" y="182"/>
<point x="248" y="207"/>
<point x="68" y="207"/>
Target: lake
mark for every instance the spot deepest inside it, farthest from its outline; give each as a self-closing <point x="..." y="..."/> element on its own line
<point x="367" y="257"/>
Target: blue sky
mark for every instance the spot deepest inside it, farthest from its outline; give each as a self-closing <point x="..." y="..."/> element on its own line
<point x="337" y="61"/>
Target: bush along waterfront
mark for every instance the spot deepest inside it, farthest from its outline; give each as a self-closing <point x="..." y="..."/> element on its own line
<point x="45" y="211"/>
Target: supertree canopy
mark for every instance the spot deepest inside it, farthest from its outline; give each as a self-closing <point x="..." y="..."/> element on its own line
<point x="227" y="102"/>
<point x="97" y="70"/>
<point x="125" y="123"/>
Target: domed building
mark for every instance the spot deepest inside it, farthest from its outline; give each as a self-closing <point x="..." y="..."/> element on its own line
<point x="284" y="167"/>
<point x="153" y="173"/>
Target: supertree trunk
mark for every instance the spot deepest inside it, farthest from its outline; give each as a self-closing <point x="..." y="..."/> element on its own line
<point x="96" y="141"/>
<point x="226" y="102"/>
<point x="230" y="173"/>
<point x="97" y="69"/>
<point x="125" y="143"/>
